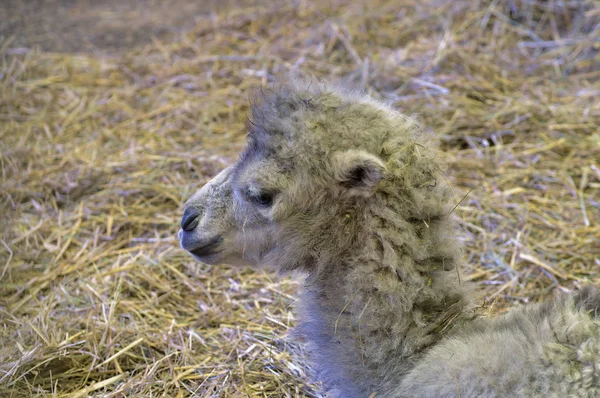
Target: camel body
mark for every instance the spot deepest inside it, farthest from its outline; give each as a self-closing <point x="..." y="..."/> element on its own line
<point x="344" y="189"/>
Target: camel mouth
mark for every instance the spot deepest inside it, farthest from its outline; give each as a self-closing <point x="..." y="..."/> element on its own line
<point x="204" y="252"/>
<point x="207" y="249"/>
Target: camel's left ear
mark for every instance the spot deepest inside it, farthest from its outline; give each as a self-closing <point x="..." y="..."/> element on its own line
<point x="358" y="171"/>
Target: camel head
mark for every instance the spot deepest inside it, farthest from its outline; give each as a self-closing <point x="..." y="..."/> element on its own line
<point x="316" y="161"/>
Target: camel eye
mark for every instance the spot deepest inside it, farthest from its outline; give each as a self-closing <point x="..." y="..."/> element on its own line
<point x="257" y="196"/>
<point x="264" y="199"/>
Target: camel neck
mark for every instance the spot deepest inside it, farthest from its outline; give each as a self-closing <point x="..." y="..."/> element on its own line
<point x="371" y="321"/>
<point x="368" y="300"/>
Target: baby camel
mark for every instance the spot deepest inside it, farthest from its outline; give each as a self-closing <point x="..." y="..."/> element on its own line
<point x="348" y="191"/>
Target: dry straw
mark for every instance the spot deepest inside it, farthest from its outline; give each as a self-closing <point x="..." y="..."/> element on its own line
<point x="99" y="152"/>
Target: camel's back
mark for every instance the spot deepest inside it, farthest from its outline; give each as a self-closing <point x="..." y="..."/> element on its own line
<point x="550" y="350"/>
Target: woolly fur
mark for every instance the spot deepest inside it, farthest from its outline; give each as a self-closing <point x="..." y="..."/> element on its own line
<point x="360" y="206"/>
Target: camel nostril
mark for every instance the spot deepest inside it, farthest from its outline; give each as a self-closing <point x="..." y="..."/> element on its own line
<point x="190" y="219"/>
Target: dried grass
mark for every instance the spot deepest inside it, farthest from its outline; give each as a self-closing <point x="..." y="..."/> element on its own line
<point x="98" y="154"/>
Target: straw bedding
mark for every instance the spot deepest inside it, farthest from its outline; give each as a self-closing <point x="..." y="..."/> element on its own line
<point x="99" y="152"/>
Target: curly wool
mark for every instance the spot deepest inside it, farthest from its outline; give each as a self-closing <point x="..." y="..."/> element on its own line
<point x="359" y="205"/>
<point x="394" y="318"/>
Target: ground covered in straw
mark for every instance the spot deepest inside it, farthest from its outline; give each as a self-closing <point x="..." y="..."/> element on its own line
<point x="99" y="152"/>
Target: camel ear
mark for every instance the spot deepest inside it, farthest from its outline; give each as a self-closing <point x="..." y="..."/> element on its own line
<point x="358" y="171"/>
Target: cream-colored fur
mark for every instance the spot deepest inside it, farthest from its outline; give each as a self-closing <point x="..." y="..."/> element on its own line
<point x="341" y="187"/>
